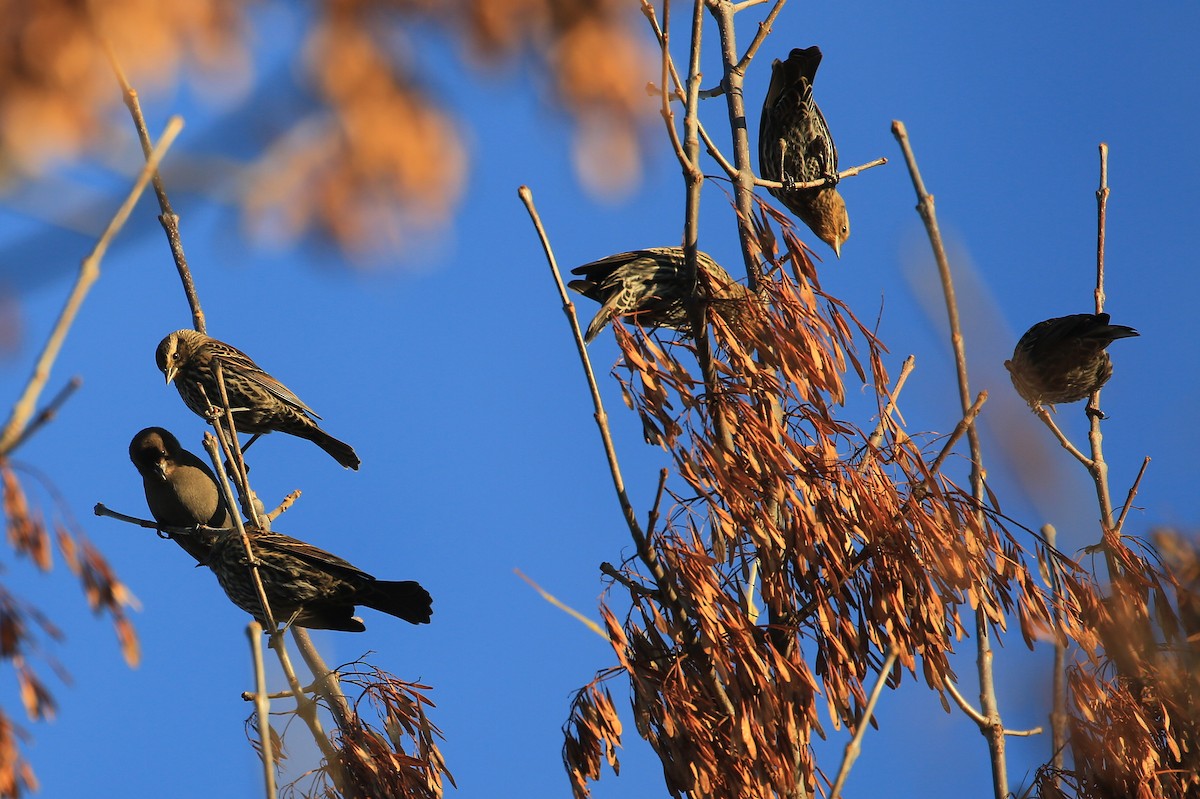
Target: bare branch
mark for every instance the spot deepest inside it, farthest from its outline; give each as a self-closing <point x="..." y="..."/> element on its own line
<point x="262" y="707"/>
<point x="89" y="273"/>
<point x="168" y="219"/>
<point x="854" y="746"/>
<point x="993" y="730"/>
<point x="558" y="603"/>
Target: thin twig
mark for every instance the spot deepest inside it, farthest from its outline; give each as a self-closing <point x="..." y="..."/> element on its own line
<point x="306" y="708"/>
<point x="905" y="370"/>
<point x="854" y="745"/>
<point x="992" y="727"/>
<point x="262" y="706"/>
<point x="211" y="446"/>
<point x="964" y="705"/>
<point x="1058" y="682"/>
<point x="645" y="551"/>
<point x="168" y="219"/>
<point x="1101" y="219"/>
<point x="819" y="182"/>
<point x="50" y="411"/>
<point x="101" y="510"/>
<point x="1098" y="468"/>
<point x="964" y="424"/>
<point x="764" y="30"/>
<point x="1133" y="489"/>
<point x="288" y="501"/>
<point x="636" y="588"/>
<point x="89" y="273"/>
<point x="564" y="607"/>
<point x="325" y="681"/>
<point x="1048" y="420"/>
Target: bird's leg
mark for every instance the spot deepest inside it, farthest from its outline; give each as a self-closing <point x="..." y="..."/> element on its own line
<point x="229" y="466"/>
<point x="784" y="177"/>
<point x="1093" y="411"/>
<point x="288" y="625"/>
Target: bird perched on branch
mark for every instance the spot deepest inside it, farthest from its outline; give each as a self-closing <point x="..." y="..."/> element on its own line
<point x="308" y="586"/>
<point x="794" y="146"/>
<point x="1063" y="359"/>
<point x="651" y="287"/>
<point x="181" y="490"/>
<point x="260" y="403"/>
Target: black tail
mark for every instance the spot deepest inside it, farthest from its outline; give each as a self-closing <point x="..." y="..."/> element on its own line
<point x="405" y="599"/>
<point x="341" y="452"/>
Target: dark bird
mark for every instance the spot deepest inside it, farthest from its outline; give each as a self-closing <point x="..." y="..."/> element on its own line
<point x="651" y="287"/>
<point x="794" y="146"/>
<point x="318" y="589"/>
<point x="181" y="490"/>
<point x="260" y="403"/>
<point x="1063" y="359"/>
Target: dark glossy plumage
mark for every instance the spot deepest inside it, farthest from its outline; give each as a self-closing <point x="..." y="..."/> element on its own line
<point x="299" y="577"/>
<point x="650" y="288"/>
<point x="1064" y="359"/>
<point x="794" y="145"/>
<point x="260" y="403"/>
<point x="181" y="490"/>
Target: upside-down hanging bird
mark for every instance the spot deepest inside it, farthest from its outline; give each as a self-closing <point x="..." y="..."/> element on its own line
<point x="181" y="490"/>
<point x="1064" y="359"/>
<point x="260" y="403"/>
<point x="794" y="146"/>
<point x="651" y="288"/>
<point x="308" y="586"/>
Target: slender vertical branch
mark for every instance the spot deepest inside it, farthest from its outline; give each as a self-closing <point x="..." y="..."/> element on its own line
<point x="854" y="746"/>
<point x="1110" y="538"/>
<point x="168" y="219"/>
<point x="262" y="707"/>
<point x="993" y="728"/>
<point x="733" y="81"/>
<point x="1058" y="709"/>
<point x="1101" y="221"/>
<point x="646" y="552"/>
<point x="89" y="273"/>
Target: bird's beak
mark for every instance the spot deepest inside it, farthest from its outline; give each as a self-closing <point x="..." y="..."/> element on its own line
<point x="160" y="469"/>
<point x="170" y="373"/>
<point x="837" y="250"/>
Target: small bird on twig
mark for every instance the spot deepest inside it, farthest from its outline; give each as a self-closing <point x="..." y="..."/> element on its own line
<point x="652" y="287"/>
<point x="1063" y="359"/>
<point x="795" y="146"/>
<point x="308" y="586"/>
<point x="181" y="490"/>
<point x="260" y="403"/>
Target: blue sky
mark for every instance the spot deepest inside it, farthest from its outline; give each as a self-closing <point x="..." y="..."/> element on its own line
<point x="452" y="372"/>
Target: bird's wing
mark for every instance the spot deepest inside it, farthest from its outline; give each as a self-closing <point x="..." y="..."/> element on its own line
<point x="279" y="390"/>
<point x="326" y="561"/>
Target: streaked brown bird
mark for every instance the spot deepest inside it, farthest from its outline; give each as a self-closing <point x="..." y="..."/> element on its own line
<point x="651" y="288"/>
<point x="260" y="403"/>
<point x="795" y="146"/>
<point x="181" y="490"/>
<point x="1063" y="359"/>
<point x="318" y="589"/>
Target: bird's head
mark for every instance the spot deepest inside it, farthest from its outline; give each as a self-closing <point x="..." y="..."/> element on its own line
<point x="175" y="350"/>
<point x="153" y="452"/>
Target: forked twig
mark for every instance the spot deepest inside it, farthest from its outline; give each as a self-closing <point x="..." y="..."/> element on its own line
<point x="992" y="726"/>
<point x="89" y="272"/>
<point x="262" y="706"/>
